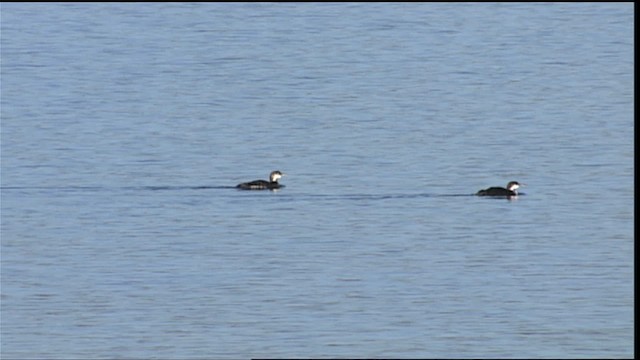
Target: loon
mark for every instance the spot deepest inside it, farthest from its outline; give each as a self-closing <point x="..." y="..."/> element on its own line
<point x="272" y="184"/>
<point x="511" y="190"/>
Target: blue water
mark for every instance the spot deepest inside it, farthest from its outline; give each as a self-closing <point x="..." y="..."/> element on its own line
<point x="125" y="126"/>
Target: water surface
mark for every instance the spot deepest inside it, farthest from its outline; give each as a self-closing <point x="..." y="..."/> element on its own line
<point x="126" y="126"/>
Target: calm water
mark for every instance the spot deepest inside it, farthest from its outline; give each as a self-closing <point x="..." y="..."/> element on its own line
<point x="124" y="125"/>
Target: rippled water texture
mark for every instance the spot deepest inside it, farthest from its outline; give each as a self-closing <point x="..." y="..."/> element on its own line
<point x="125" y="128"/>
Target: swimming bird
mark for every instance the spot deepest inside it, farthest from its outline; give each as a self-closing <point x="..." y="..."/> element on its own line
<point x="510" y="190"/>
<point x="272" y="184"/>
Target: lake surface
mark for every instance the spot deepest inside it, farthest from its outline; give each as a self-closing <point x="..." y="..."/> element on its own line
<point x="125" y="127"/>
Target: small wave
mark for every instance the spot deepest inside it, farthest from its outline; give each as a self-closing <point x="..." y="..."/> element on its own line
<point x="354" y="197"/>
<point x="201" y="187"/>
